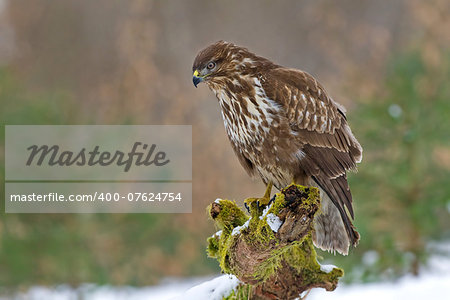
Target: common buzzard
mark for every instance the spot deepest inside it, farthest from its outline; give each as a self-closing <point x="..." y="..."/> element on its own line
<point x="284" y="127"/>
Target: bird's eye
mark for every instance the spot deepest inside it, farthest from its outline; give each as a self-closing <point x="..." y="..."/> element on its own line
<point x="211" y="65"/>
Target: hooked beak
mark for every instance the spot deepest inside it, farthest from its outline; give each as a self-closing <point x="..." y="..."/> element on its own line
<point x="196" y="78"/>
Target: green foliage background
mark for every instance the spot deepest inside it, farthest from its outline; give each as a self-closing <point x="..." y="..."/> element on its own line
<point x="78" y="248"/>
<point x="401" y="188"/>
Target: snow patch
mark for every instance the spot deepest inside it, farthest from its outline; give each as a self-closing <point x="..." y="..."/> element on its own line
<point x="214" y="289"/>
<point x="265" y="211"/>
<point x="432" y="283"/>
<point x="237" y="230"/>
<point x="274" y="222"/>
<point x="327" y="268"/>
<point x="218" y="234"/>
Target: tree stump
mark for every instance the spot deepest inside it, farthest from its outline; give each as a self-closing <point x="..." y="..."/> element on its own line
<point x="271" y="251"/>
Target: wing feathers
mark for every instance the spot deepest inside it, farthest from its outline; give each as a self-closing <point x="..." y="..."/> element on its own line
<point x="320" y="124"/>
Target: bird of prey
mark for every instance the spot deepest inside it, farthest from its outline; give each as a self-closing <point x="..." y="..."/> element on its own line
<point x="284" y="127"/>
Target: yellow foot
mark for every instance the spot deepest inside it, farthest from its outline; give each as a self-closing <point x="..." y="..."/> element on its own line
<point x="263" y="201"/>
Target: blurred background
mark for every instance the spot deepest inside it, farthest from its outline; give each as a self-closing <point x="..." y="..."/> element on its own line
<point x="129" y="62"/>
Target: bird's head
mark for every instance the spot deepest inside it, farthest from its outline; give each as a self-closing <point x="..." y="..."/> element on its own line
<point x="224" y="60"/>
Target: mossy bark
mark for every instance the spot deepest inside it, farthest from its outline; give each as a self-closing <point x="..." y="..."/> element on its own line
<point x="271" y="251"/>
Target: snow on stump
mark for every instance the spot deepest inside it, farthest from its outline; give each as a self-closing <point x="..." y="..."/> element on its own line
<point x="271" y="252"/>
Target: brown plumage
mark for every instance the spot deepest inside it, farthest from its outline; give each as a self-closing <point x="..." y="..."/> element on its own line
<point x="283" y="126"/>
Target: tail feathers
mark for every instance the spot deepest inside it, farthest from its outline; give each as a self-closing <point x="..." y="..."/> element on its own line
<point x="334" y="230"/>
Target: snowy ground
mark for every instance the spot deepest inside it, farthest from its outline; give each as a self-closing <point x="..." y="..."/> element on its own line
<point x="433" y="283"/>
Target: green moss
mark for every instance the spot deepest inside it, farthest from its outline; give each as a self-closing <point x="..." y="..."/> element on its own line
<point x="260" y="233"/>
<point x="277" y="204"/>
<point x="300" y="255"/>
<point x="224" y="252"/>
<point x="242" y="292"/>
<point x="213" y="246"/>
<point x="303" y="257"/>
<point x="312" y="199"/>
<point x="230" y="215"/>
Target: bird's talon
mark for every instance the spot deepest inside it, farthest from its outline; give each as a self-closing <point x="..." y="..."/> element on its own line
<point x="263" y="202"/>
<point x="272" y="200"/>
<point x="247" y="207"/>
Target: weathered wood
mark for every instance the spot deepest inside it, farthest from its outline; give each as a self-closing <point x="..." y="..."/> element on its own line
<point x="279" y="262"/>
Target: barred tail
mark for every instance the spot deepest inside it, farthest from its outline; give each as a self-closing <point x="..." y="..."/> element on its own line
<point x="333" y="228"/>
